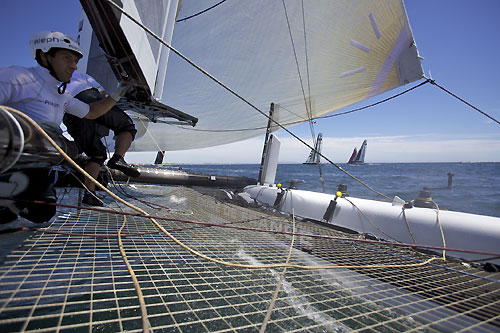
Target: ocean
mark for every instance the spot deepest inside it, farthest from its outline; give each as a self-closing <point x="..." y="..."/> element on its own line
<point x="475" y="186"/>
<point x="81" y="283"/>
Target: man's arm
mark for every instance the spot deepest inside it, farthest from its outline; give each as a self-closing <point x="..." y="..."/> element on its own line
<point x="100" y="108"/>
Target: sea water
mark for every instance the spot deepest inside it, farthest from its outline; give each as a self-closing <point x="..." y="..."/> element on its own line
<point x="475" y="187"/>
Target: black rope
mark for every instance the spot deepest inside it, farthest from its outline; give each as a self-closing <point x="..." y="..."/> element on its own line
<point x="376" y="103"/>
<point x="203" y="11"/>
<point x="314" y="118"/>
<point x="464" y="101"/>
<point x="224" y="86"/>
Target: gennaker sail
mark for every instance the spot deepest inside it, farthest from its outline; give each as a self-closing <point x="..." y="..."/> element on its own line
<point x="308" y="58"/>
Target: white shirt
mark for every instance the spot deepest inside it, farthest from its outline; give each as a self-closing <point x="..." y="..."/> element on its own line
<point x="34" y="92"/>
<point x="80" y="82"/>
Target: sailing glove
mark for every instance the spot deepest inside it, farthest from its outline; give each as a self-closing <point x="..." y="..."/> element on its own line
<point x="121" y="90"/>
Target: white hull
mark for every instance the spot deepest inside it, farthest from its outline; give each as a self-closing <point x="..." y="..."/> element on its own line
<point x="386" y="221"/>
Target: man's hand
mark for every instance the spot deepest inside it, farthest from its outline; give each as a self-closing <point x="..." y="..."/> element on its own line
<point x="121" y="90"/>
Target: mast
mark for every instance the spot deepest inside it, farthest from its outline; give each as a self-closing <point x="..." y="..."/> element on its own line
<point x="266" y="141"/>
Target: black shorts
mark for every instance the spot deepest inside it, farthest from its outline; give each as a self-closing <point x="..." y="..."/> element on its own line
<point x="88" y="132"/>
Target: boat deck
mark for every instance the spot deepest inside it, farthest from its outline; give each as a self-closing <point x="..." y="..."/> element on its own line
<point x="73" y="276"/>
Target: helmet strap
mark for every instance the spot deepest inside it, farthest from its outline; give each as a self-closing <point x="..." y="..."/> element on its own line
<point x="62" y="88"/>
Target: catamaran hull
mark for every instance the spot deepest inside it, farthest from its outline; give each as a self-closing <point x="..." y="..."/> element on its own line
<point x="462" y="231"/>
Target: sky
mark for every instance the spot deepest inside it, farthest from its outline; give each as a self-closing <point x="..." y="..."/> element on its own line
<point x="458" y="39"/>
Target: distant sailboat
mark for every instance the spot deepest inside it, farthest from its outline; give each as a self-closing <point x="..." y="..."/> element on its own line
<point x="159" y="157"/>
<point x="314" y="155"/>
<point x="358" y="157"/>
<point x="353" y="155"/>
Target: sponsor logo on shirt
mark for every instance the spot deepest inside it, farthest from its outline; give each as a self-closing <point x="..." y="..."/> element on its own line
<point x="53" y="104"/>
<point x="47" y="102"/>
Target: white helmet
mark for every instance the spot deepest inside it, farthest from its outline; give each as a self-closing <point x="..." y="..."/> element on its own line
<point x="45" y="40"/>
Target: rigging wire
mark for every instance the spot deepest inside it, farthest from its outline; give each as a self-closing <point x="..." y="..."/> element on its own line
<point x="301" y="121"/>
<point x="307" y="101"/>
<point x="245" y="100"/>
<point x="201" y="12"/>
<point x="242" y="98"/>
<point x="229" y="225"/>
<point x="282" y="277"/>
<point x="463" y="101"/>
<point x="180" y="243"/>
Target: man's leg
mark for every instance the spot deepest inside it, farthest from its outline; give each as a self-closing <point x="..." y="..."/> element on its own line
<point x="123" y="127"/>
<point x="122" y="143"/>
<point x="92" y="169"/>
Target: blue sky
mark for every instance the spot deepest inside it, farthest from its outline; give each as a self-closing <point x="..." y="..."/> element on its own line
<point x="460" y="43"/>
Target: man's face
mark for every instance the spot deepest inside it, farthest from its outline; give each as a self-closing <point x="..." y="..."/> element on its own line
<point x="64" y="64"/>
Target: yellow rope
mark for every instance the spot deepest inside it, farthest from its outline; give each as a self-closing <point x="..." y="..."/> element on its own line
<point x="408" y="225"/>
<point x="369" y="220"/>
<point x="441" y="229"/>
<point x="201" y="255"/>
<point x="146" y="327"/>
<point x="282" y="276"/>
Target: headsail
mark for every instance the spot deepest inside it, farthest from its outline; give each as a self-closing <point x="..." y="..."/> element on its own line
<point x="359" y="157"/>
<point x="353" y="156"/>
<point x="309" y="58"/>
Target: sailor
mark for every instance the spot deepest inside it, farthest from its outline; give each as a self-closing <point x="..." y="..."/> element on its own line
<point x="88" y="133"/>
<point x="40" y="92"/>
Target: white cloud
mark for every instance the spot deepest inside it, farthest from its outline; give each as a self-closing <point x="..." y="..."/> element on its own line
<point x="416" y="148"/>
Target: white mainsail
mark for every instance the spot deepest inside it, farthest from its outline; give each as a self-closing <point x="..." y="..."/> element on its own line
<point x="362" y="152"/>
<point x="309" y="58"/>
<point x="314" y="156"/>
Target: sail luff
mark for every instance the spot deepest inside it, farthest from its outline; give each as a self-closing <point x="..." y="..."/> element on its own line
<point x="168" y="30"/>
